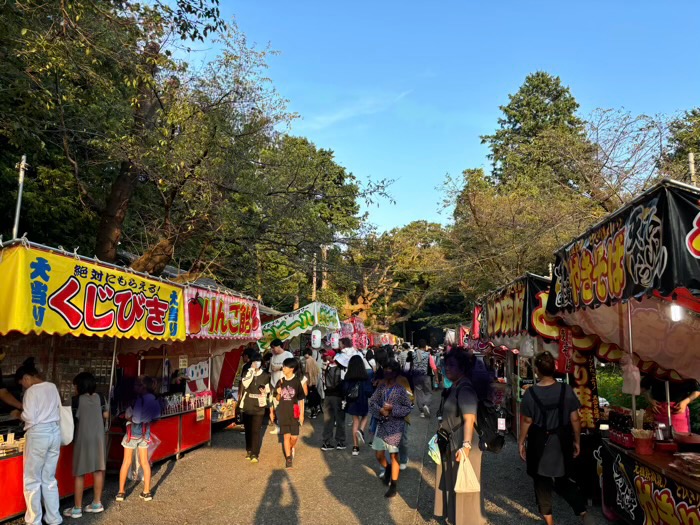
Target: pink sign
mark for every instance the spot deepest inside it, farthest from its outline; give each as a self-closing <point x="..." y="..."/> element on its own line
<point x="212" y="315"/>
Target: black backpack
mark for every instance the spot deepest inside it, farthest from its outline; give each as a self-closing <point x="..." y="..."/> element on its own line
<point x="332" y="376"/>
<point x="487" y="414"/>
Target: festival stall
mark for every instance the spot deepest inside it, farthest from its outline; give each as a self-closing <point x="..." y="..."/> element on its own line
<point x="70" y="313"/>
<point x="291" y="326"/>
<point x="631" y="282"/>
<point x="196" y="372"/>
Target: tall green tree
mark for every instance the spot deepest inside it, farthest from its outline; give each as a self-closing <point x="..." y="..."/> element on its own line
<point x="542" y="103"/>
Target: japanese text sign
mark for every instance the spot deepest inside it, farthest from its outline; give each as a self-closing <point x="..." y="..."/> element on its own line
<point x="221" y="316"/>
<point x="652" y="244"/>
<point x="303" y="320"/>
<point x="42" y="291"/>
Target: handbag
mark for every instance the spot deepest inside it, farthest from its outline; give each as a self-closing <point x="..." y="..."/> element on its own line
<point x="67" y="425"/>
<point x="434" y="450"/>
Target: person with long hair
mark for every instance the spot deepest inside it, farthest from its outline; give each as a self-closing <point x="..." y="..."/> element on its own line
<point x="550" y="439"/>
<point x="145" y="410"/>
<point x="254" y="394"/>
<point x="41" y="413"/>
<point x="312" y="373"/>
<point x="357" y="387"/>
<point x="89" y="454"/>
<point x="390" y="404"/>
<point x="458" y="442"/>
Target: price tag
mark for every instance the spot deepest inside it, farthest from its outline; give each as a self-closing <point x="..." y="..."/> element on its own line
<point x="182" y="362"/>
<point x="501" y="423"/>
<point x="200" y="414"/>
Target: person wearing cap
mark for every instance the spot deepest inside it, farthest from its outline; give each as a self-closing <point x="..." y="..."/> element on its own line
<point x="255" y="391"/>
<point x="279" y="356"/>
<point x="333" y="412"/>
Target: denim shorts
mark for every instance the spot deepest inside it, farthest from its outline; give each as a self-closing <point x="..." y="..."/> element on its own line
<point x="134" y="442"/>
<point x="140" y="439"/>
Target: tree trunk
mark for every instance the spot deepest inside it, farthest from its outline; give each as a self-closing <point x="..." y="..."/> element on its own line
<point x="156" y="258"/>
<point x="110" y="230"/>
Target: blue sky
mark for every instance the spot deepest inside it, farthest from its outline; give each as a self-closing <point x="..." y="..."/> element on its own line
<point x="403" y="90"/>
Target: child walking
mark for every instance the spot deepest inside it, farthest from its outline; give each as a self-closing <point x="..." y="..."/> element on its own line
<point x="390" y="404"/>
<point x="290" y="411"/>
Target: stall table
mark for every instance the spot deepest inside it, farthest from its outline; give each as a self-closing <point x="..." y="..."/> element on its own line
<point x="645" y="490"/>
<point x="177" y="433"/>
<point x="12" y="485"/>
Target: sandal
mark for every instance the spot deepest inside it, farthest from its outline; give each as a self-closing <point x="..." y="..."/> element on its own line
<point x="146" y="496"/>
<point x="121" y="496"/>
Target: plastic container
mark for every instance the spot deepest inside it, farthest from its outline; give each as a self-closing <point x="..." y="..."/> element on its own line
<point x="644" y="447"/>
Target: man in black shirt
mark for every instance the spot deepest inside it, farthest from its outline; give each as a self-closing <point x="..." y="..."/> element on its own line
<point x="6" y="397"/>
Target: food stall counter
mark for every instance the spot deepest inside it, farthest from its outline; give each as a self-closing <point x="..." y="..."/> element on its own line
<point x="646" y="489"/>
<point x="11" y="480"/>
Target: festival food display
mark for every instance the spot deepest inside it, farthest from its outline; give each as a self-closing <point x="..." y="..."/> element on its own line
<point x="70" y="312"/>
<point x="628" y="284"/>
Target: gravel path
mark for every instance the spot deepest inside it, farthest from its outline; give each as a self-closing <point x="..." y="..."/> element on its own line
<point x="217" y="485"/>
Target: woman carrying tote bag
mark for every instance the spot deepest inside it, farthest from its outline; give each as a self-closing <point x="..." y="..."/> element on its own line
<point x="458" y="442"/>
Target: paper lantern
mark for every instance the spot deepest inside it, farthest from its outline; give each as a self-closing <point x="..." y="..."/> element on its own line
<point x="335" y="341"/>
<point x="316" y="339"/>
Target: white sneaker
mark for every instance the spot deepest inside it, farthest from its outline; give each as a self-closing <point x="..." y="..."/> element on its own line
<point x="275" y="430"/>
<point x="422" y="415"/>
<point x="403" y="466"/>
<point x="426" y="411"/>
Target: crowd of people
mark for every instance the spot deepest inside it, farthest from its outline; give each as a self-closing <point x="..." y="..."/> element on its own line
<point x="378" y="388"/>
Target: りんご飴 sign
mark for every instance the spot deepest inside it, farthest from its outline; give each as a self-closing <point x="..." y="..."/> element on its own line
<point x="221" y="316"/>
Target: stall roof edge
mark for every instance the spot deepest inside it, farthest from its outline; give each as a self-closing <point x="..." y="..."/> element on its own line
<point x="481" y="298"/>
<point x="59" y="251"/>
<point x="644" y="195"/>
<point x="205" y="283"/>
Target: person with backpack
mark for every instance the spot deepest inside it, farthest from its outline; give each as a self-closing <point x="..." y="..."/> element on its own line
<point x="333" y="412"/>
<point x="422" y="382"/>
<point x="550" y="439"/>
<point x="458" y="441"/>
<point x="146" y="409"/>
<point x="357" y="387"/>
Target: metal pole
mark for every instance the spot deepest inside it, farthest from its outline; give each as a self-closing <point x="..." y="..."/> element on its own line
<point x="314" y="280"/>
<point x="111" y="382"/>
<point x="629" y="323"/>
<point x="691" y="162"/>
<point x="211" y="386"/>
<point x="668" y="409"/>
<point x="22" y="166"/>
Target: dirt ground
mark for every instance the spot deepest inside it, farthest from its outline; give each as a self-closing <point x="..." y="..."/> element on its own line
<point x="216" y="485"/>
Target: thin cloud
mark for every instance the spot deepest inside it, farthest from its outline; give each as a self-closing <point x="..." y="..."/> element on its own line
<point x="369" y="105"/>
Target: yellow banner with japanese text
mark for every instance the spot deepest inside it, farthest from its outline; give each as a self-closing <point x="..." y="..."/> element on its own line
<point x="48" y="292"/>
